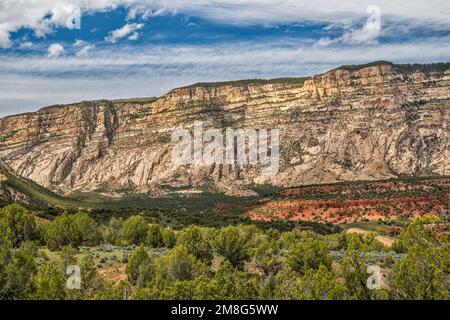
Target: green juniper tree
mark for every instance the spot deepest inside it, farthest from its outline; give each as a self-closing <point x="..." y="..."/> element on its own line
<point x="135" y="230"/>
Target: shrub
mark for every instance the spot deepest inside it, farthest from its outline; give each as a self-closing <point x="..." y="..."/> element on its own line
<point x="134" y="230"/>
<point x="181" y="265"/>
<point x="154" y="236"/>
<point x="309" y="254"/>
<point x="20" y="223"/>
<point x="139" y="258"/>
<point x="88" y="228"/>
<point x="193" y="239"/>
<point x="231" y="242"/>
<point x="169" y="238"/>
<point x="50" y="283"/>
<point x="63" y="231"/>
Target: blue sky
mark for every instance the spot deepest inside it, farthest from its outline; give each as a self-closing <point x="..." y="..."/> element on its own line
<point x="138" y="48"/>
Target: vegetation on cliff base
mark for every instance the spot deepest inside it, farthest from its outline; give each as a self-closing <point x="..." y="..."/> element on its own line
<point x="37" y="195"/>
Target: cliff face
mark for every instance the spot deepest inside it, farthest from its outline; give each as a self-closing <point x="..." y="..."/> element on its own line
<point x="365" y="123"/>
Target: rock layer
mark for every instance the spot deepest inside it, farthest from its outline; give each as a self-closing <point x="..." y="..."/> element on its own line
<point x="354" y="123"/>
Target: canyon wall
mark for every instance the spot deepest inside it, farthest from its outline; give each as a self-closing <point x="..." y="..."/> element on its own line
<point x="354" y="123"/>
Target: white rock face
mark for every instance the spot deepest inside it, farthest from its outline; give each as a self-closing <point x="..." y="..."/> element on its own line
<point x="364" y="124"/>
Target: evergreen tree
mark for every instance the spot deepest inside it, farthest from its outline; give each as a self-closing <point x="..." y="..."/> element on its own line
<point x="63" y="231"/>
<point x="50" y="283"/>
<point x="193" y="239"/>
<point x="88" y="229"/>
<point x="231" y="242"/>
<point x="180" y="264"/>
<point x="139" y="267"/>
<point x="169" y="238"/>
<point x="309" y="254"/>
<point x="21" y="224"/>
<point x="155" y="236"/>
<point x="135" y="230"/>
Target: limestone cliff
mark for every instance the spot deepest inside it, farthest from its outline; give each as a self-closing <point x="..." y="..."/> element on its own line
<point x="354" y="123"/>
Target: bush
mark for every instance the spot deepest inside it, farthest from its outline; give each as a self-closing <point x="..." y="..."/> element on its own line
<point x="63" y="231"/>
<point x="155" y="237"/>
<point x="78" y="229"/>
<point x="50" y="283"/>
<point x="193" y="239"/>
<point x="135" y="264"/>
<point x="309" y="254"/>
<point x="422" y="275"/>
<point x="181" y="265"/>
<point x="20" y="223"/>
<point x="135" y="230"/>
<point x="231" y="242"/>
<point x="88" y="228"/>
<point x="169" y="238"/>
<point x="16" y="275"/>
<point x="112" y="233"/>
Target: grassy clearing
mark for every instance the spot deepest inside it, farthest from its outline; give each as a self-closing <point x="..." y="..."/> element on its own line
<point x="377" y="226"/>
<point x="104" y="255"/>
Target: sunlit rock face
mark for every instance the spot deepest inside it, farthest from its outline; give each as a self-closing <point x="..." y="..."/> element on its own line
<point x="353" y="123"/>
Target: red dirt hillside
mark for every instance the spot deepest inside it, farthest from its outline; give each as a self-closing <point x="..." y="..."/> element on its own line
<point x="365" y="201"/>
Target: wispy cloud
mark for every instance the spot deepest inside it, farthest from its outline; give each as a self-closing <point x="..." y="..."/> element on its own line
<point x="139" y="11"/>
<point x="256" y="56"/>
<point x="26" y="45"/>
<point x="154" y="70"/>
<point x="130" y="31"/>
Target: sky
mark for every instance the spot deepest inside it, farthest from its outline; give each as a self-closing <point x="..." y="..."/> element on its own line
<point x="64" y="51"/>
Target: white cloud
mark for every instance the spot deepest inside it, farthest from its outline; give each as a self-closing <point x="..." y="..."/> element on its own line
<point x="83" y="48"/>
<point x="368" y="34"/>
<point x="245" y="59"/>
<point x="5" y="41"/>
<point x="26" y="45"/>
<point x="30" y="13"/>
<point x="89" y="72"/>
<point x="139" y="11"/>
<point x="433" y="12"/>
<point x="361" y="36"/>
<point x="55" y="50"/>
<point x="79" y="43"/>
<point x="40" y="16"/>
<point x="134" y="36"/>
<point x="129" y="30"/>
<point x="152" y="70"/>
<point x="84" y="51"/>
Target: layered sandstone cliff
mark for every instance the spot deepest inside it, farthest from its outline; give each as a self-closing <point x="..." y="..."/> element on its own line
<point x="353" y="123"/>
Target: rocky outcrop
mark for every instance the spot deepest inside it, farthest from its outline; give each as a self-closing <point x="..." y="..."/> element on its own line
<point x="11" y="195"/>
<point x="8" y="194"/>
<point x="353" y="123"/>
